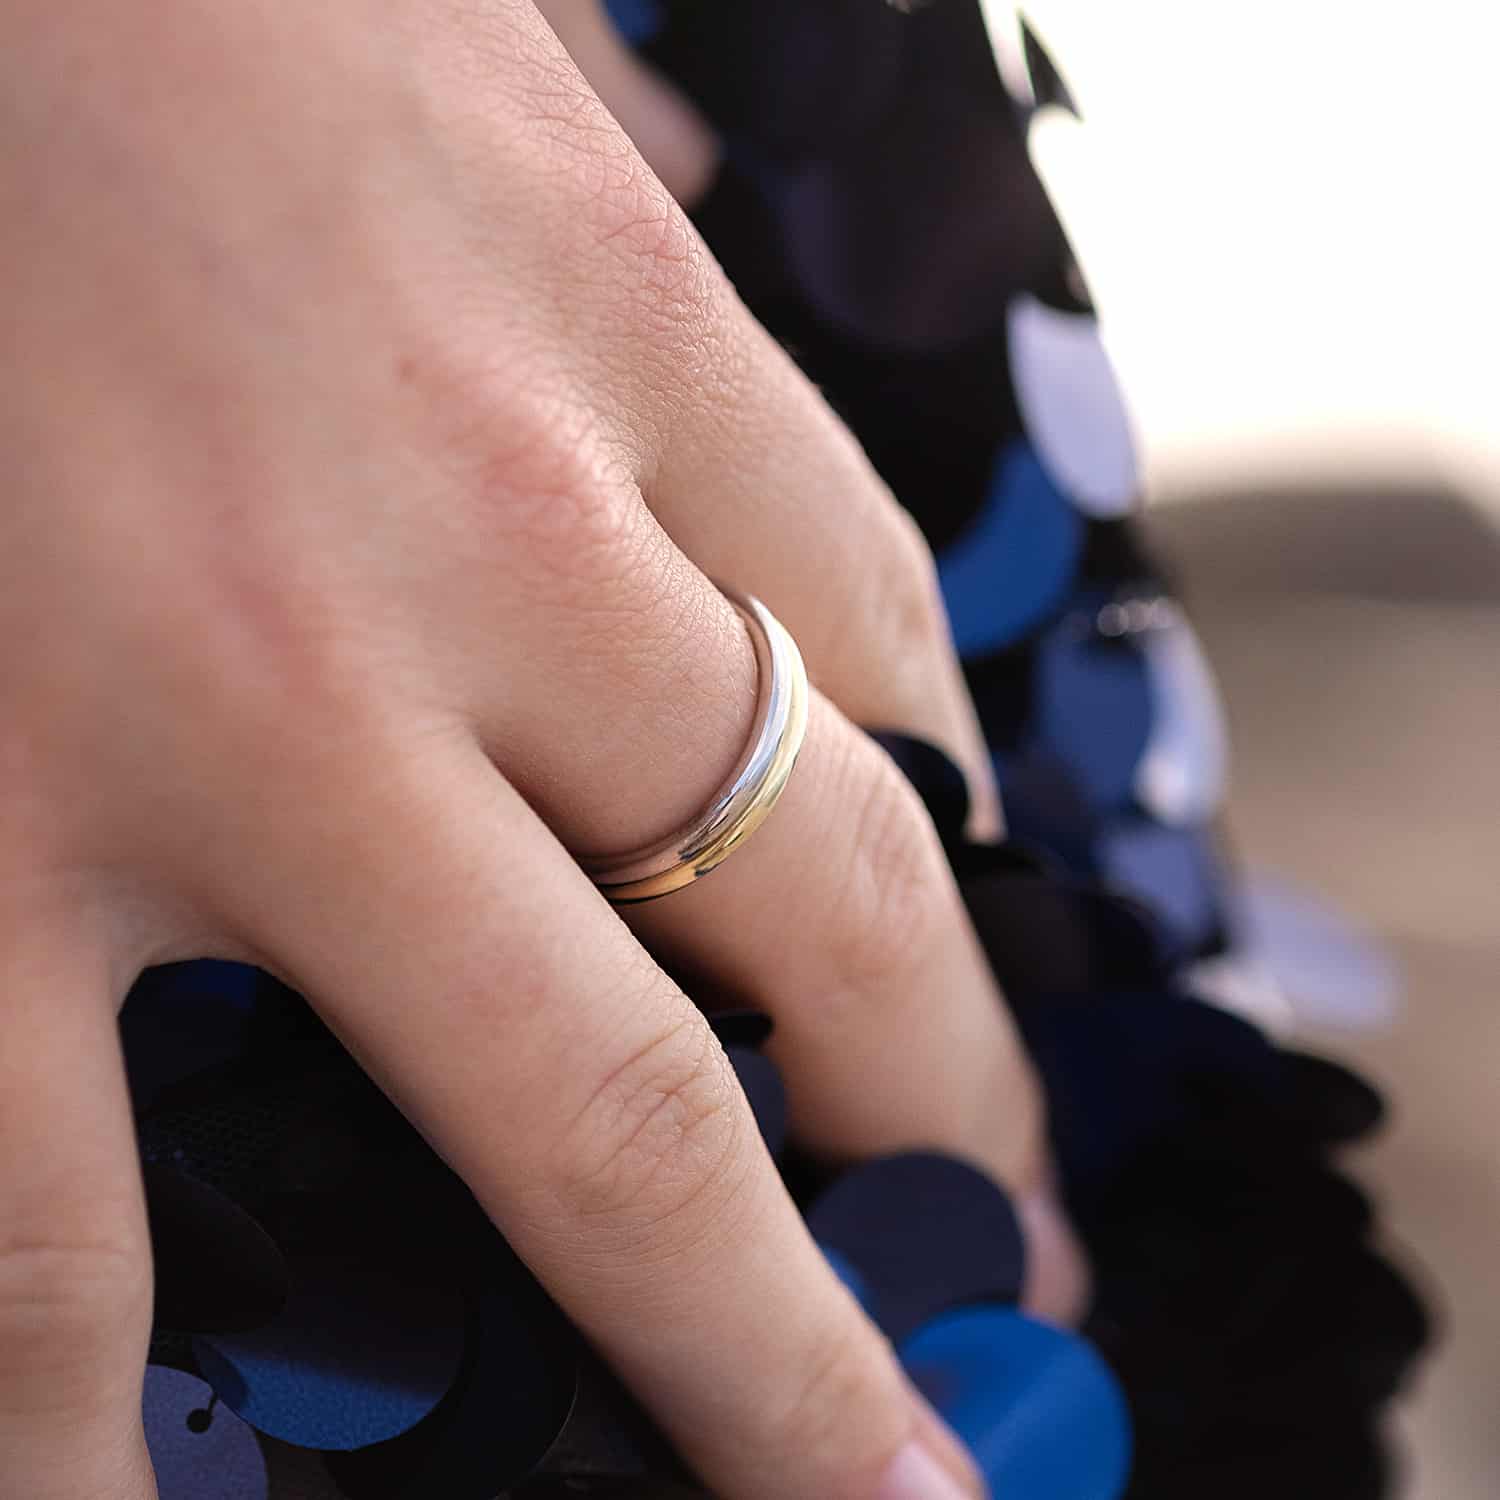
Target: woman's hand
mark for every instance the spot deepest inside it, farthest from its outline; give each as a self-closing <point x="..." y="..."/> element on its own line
<point x="678" y="143"/>
<point x="373" y="421"/>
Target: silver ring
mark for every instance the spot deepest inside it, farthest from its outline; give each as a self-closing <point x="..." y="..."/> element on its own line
<point x="745" y="800"/>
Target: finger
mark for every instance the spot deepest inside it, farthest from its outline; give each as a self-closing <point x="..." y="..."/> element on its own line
<point x="75" y="1274"/>
<point x="841" y="918"/>
<point x="622" y="699"/>
<point x="585" y="1101"/>
<point x="667" y="130"/>
<point x="763" y="486"/>
<point x="693" y="405"/>
<point x="626" y="708"/>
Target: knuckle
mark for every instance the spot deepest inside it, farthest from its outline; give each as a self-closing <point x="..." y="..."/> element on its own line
<point x="544" y="485"/>
<point x="655" y="1137"/>
<point x="669" y="336"/>
<point x="633" y="215"/>
<point x="66" y="1306"/>
<point x="561" y="509"/>
<point x="895" y="897"/>
<point x="664" y="275"/>
<point x="895" y="601"/>
<point x="586" y="170"/>
<point x="612" y="195"/>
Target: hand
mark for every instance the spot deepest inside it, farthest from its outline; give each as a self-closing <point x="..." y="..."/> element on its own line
<point x="374" y="420"/>
<point x="666" y="128"/>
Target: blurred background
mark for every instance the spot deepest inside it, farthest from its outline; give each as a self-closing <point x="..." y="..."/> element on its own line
<point x="1287" y="212"/>
<point x="1287" y="215"/>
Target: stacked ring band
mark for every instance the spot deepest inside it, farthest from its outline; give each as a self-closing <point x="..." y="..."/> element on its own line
<point x="745" y="800"/>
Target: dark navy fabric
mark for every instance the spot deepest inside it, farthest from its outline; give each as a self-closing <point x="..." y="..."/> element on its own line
<point x="924" y="1234"/>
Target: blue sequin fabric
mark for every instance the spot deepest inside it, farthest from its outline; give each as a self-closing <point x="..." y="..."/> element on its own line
<point x="336" y="1320"/>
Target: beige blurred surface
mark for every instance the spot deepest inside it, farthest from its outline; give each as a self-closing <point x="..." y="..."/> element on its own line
<point x="1358" y="642"/>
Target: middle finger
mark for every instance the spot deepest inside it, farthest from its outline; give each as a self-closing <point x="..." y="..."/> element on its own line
<point x="840" y="917"/>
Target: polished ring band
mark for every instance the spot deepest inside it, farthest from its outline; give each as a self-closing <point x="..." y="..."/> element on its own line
<point x="747" y="797"/>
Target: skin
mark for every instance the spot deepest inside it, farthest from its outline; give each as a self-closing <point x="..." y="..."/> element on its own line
<point x="667" y="130"/>
<point x="374" y="421"/>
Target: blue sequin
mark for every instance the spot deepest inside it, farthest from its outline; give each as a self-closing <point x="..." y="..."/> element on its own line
<point x="197" y="1449"/>
<point x="636" y="20"/>
<point x="1037" y="1407"/>
<point x="355" y="1357"/>
<point x="1015" y="562"/>
<point x="924" y="1233"/>
<point x="1093" y="713"/>
<point x="1174" y="871"/>
<point x="519" y="1384"/>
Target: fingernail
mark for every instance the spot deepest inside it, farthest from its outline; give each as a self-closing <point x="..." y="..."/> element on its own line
<point x="914" y="1474"/>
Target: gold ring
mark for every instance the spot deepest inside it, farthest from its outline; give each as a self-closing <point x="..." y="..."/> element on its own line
<point x="745" y="800"/>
